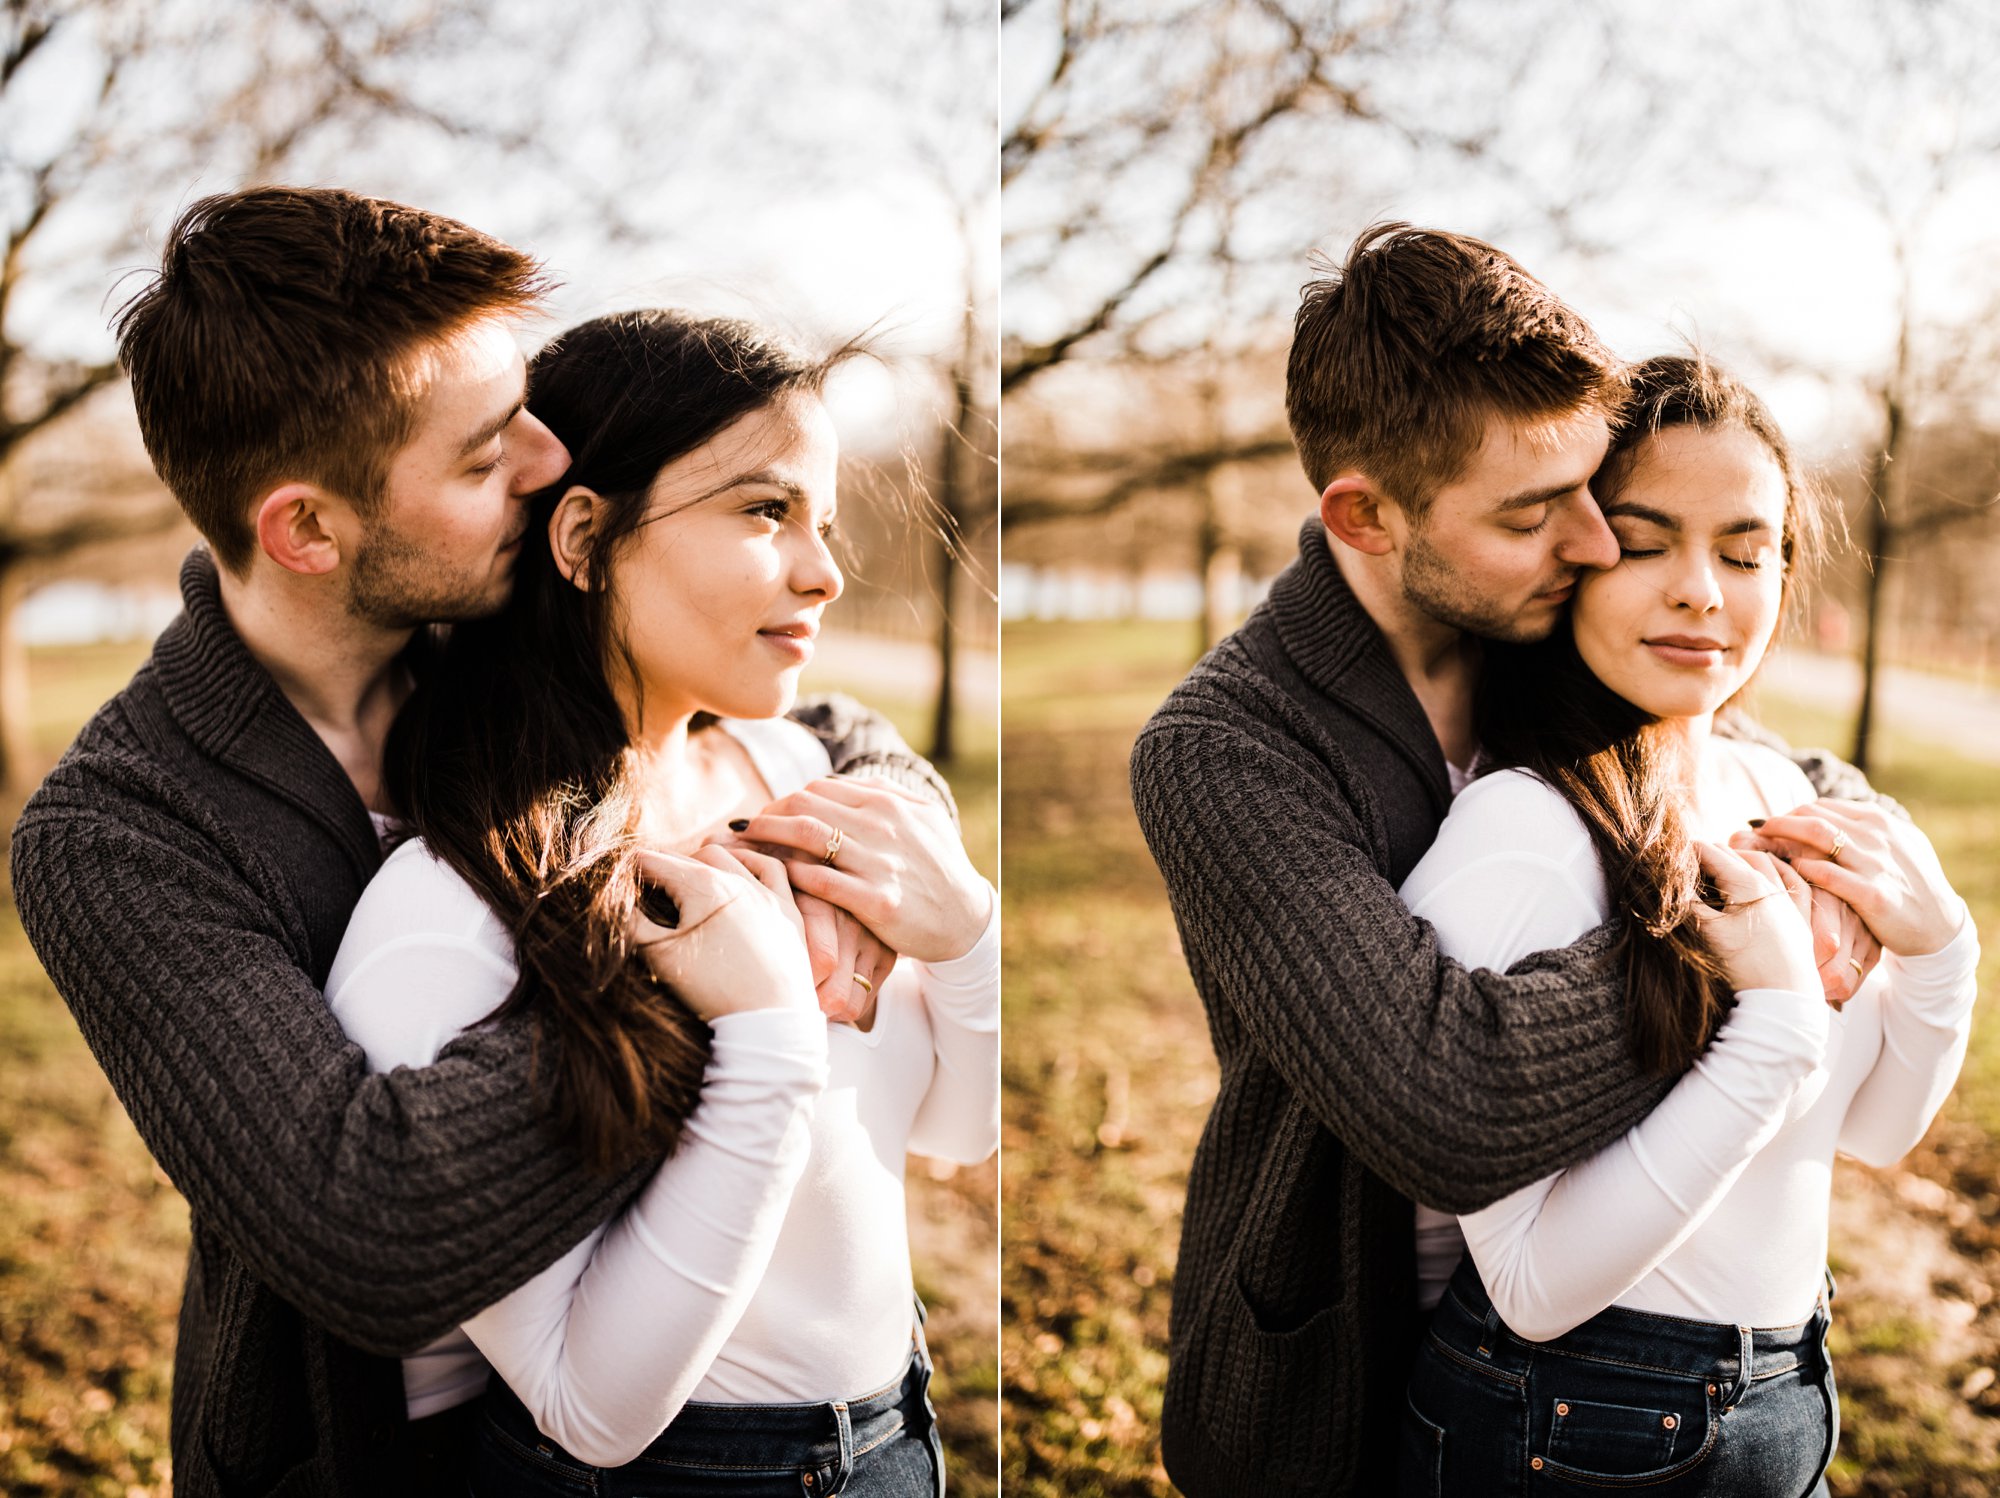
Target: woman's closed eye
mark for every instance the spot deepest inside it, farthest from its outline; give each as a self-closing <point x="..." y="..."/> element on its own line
<point x="1755" y="563"/>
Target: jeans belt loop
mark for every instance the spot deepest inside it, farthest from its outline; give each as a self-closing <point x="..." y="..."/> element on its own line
<point x="1489" y="1336"/>
<point x="844" y="1467"/>
<point x="1745" y="1357"/>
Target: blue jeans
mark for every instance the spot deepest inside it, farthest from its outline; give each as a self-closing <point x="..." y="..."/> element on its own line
<point x="1629" y="1400"/>
<point x="880" y="1445"/>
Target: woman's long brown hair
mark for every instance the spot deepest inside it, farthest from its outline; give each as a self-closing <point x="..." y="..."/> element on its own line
<point x="1540" y="709"/>
<point x="512" y="759"/>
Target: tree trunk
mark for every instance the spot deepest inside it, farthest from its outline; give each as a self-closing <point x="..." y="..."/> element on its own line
<point x="954" y="493"/>
<point x="1885" y="476"/>
<point x="944" y="714"/>
<point x="17" y="750"/>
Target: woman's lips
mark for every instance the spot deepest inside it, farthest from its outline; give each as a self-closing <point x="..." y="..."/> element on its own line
<point x="1687" y="650"/>
<point x="796" y="647"/>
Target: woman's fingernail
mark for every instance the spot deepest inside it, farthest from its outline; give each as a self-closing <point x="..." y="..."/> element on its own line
<point x="742" y="824"/>
<point x="1756" y="821"/>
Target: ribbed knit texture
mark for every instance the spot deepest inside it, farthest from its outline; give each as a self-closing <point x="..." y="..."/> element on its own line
<point x="185" y="874"/>
<point x="1286" y="788"/>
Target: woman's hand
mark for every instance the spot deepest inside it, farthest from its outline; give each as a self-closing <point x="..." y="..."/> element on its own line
<point x="1762" y="935"/>
<point x="739" y="945"/>
<point x="1878" y="863"/>
<point x="850" y="963"/>
<point x="895" y="862"/>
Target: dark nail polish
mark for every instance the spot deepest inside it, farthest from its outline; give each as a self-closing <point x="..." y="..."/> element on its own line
<point x="1756" y="821"/>
<point x="742" y="824"/>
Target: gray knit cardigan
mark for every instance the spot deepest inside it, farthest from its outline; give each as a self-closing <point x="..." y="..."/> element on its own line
<point x="185" y="874"/>
<point x="1286" y="788"/>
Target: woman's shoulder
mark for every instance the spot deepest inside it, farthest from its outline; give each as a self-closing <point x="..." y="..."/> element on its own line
<point x="1517" y="804"/>
<point x="1507" y="816"/>
<point x="787" y="754"/>
<point x="1779" y="780"/>
<point x="416" y="894"/>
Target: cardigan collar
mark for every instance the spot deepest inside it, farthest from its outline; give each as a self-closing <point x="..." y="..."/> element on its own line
<point x="233" y="710"/>
<point x="1341" y="651"/>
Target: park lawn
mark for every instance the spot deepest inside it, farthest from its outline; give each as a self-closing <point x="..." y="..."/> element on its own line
<point x="1109" y="1077"/>
<point x="93" y="1238"/>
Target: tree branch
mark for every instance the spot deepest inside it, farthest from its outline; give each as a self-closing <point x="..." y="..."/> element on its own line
<point x="1171" y="472"/>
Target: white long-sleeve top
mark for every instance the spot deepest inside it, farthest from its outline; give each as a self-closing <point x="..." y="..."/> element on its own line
<point x="768" y="1260"/>
<point x="1714" y="1207"/>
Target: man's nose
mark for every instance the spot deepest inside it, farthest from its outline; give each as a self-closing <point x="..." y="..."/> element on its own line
<point x="542" y="457"/>
<point x="1586" y="540"/>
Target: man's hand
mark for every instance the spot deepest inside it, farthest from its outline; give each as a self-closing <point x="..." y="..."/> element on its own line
<point x="849" y="962"/>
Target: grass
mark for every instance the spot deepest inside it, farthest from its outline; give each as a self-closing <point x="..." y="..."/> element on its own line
<point x="93" y="1239"/>
<point x="1109" y="1077"/>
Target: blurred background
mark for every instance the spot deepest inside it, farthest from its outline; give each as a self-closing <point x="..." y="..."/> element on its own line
<point x="1811" y="194"/>
<point x="826" y="169"/>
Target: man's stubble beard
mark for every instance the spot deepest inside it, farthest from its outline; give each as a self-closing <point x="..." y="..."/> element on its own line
<point x="396" y="584"/>
<point x="1442" y="591"/>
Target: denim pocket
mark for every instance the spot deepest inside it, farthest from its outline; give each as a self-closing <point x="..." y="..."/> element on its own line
<point x="1635" y="1428"/>
<point x="1420" y="1459"/>
<point x="1584" y="1433"/>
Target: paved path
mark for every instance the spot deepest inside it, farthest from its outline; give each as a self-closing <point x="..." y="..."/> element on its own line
<point x="1940" y="709"/>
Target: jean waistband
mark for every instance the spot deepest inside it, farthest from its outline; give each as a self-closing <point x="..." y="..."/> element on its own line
<point x="818" y="1433"/>
<point x="1619" y="1334"/>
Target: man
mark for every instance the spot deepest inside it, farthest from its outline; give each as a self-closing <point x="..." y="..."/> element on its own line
<point x="330" y="386"/>
<point x="1449" y="412"/>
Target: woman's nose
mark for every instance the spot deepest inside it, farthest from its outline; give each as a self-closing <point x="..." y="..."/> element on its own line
<point x="1696" y="587"/>
<point x="816" y="572"/>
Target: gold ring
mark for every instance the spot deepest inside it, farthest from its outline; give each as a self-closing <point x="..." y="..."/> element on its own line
<point x="866" y="986"/>
<point x="832" y="849"/>
<point x="1839" y="842"/>
<point x="1855" y="963"/>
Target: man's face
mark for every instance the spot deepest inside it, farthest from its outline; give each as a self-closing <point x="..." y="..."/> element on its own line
<point x="1498" y="552"/>
<point x="444" y="542"/>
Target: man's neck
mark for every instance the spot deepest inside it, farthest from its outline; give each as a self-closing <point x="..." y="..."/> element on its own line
<point x="1441" y="663"/>
<point x="340" y="672"/>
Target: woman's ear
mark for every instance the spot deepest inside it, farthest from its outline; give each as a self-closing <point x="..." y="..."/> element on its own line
<point x="573" y="531"/>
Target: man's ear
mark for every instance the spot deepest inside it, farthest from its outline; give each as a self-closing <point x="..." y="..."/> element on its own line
<point x="1351" y="508"/>
<point x="573" y="531"/>
<point x="294" y="530"/>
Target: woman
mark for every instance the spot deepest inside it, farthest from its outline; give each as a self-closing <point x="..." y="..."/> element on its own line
<point x="1654" y="1317"/>
<point x="607" y="732"/>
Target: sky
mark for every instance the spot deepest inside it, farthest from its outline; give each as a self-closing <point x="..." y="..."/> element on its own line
<point x="765" y="160"/>
<point x="1743" y="172"/>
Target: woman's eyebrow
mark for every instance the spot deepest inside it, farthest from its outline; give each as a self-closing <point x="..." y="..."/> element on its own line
<point x="763" y="476"/>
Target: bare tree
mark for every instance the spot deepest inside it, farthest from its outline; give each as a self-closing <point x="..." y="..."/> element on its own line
<point x="1906" y="92"/>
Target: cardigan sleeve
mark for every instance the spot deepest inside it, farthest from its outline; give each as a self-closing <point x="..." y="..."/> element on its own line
<point x="386" y="1208"/>
<point x="860" y="741"/>
<point x="1455" y="1086"/>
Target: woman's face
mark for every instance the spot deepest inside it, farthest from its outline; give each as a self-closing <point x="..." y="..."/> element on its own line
<point x="717" y="595"/>
<point x="1684" y="619"/>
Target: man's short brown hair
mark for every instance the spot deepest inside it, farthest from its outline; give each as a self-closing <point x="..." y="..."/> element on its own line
<point x="275" y="344"/>
<point x="1401" y="356"/>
